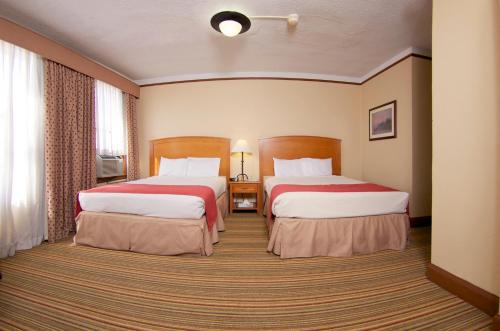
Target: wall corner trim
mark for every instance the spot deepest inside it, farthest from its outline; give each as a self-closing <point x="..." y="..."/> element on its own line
<point x="421" y="221"/>
<point x="496" y="323"/>
<point x="468" y="292"/>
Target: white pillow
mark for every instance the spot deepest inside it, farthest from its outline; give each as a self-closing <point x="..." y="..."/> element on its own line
<point x="173" y="167"/>
<point x="316" y="167"/>
<point x="203" y="166"/>
<point x="288" y="168"/>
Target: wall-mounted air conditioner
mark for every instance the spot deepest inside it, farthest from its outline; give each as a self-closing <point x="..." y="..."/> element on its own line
<point x="109" y="166"/>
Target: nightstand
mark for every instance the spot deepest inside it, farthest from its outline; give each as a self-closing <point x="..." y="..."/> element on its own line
<point x="241" y="190"/>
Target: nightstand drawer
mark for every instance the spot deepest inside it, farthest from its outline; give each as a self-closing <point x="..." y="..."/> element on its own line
<point x="240" y="188"/>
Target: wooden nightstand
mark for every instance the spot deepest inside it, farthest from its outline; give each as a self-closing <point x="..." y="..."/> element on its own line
<point x="245" y="189"/>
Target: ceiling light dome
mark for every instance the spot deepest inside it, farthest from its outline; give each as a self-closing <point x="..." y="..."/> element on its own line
<point x="230" y="28"/>
<point x="230" y="23"/>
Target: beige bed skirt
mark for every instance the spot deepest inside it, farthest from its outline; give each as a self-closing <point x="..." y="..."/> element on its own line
<point x="150" y="235"/>
<point x="341" y="237"/>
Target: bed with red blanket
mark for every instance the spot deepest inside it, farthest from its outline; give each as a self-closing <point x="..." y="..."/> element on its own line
<point x="156" y="215"/>
<point x="333" y="216"/>
<point x="169" y="214"/>
<point x="325" y="214"/>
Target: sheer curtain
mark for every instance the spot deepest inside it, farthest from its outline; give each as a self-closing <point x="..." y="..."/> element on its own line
<point x="22" y="187"/>
<point x="110" y="120"/>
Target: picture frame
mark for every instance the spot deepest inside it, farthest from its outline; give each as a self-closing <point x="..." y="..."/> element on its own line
<point x="382" y="121"/>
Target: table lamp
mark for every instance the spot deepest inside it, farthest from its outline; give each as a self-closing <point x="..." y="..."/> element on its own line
<point x="241" y="146"/>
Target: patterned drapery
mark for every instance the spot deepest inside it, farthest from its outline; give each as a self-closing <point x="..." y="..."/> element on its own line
<point x="130" y="103"/>
<point x="70" y="146"/>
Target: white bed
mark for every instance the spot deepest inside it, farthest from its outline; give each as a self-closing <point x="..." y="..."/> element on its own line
<point x="164" y="224"/>
<point x="307" y="224"/>
<point x="332" y="204"/>
<point x="165" y="206"/>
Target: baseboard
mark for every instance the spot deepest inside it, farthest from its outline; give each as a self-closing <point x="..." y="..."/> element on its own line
<point x="416" y="222"/>
<point x="468" y="292"/>
<point x="496" y="323"/>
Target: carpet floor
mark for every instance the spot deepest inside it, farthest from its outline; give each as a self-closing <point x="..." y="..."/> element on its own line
<point x="240" y="287"/>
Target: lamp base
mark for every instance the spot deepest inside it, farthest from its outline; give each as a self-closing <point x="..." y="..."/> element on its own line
<point x="242" y="177"/>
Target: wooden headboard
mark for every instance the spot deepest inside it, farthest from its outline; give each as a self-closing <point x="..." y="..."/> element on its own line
<point x="180" y="147"/>
<point x="296" y="147"/>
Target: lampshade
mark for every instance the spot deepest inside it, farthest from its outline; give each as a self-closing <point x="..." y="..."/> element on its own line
<point x="241" y="146"/>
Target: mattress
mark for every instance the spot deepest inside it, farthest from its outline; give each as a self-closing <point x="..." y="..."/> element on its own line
<point x="165" y="206"/>
<point x="332" y="204"/>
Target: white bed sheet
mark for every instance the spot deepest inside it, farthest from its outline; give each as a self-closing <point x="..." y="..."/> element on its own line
<point x="332" y="204"/>
<point x="155" y="205"/>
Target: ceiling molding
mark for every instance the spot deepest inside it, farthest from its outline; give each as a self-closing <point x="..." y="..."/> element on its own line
<point x="393" y="61"/>
<point x="411" y="51"/>
<point x="246" y="75"/>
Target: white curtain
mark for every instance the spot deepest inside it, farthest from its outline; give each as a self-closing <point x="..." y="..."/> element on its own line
<point x="22" y="187"/>
<point x="110" y="120"/>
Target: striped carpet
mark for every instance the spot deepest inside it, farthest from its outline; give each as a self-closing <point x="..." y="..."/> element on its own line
<point x="62" y="287"/>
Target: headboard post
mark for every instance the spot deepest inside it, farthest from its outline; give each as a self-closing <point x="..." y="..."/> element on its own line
<point x="296" y="147"/>
<point x="181" y="147"/>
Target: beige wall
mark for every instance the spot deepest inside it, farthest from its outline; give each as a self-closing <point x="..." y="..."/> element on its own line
<point x="389" y="161"/>
<point x="404" y="162"/>
<point x="421" y="137"/>
<point x="466" y="144"/>
<point x="252" y="109"/>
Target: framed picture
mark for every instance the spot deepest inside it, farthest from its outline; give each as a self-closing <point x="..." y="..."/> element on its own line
<point x="382" y="121"/>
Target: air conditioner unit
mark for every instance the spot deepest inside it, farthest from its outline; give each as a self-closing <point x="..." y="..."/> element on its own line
<point x="109" y="166"/>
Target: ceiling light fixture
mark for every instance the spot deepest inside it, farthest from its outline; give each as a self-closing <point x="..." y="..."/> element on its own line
<point x="231" y="23"/>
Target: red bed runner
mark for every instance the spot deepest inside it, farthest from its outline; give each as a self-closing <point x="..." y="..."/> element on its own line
<point x="204" y="192"/>
<point x="284" y="188"/>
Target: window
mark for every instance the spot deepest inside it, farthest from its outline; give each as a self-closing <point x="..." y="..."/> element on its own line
<point x="22" y="173"/>
<point x="110" y="120"/>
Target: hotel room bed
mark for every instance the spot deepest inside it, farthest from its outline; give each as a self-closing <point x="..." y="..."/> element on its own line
<point x="332" y="205"/>
<point x="155" y="205"/>
<point x="150" y="235"/>
<point x="308" y="223"/>
<point x="163" y="224"/>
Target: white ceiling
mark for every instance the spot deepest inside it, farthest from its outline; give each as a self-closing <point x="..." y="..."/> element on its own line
<point x="166" y="40"/>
